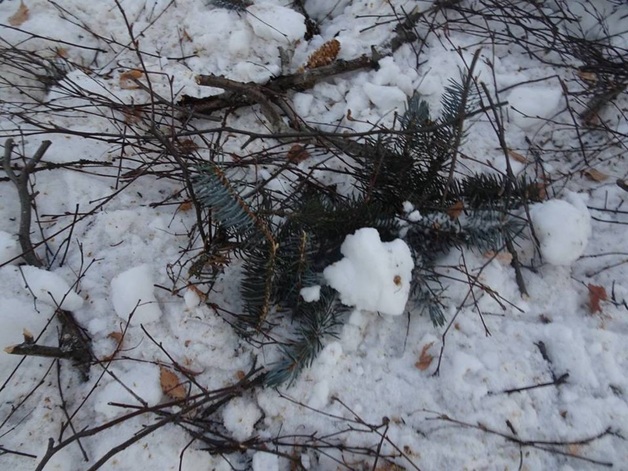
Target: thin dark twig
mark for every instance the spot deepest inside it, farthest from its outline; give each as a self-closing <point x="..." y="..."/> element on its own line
<point x="544" y="445"/>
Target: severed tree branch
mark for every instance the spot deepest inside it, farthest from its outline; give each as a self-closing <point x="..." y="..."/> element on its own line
<point x="26" y="198"/>
<point x="245" y="94"/>
<point x="74" y="344"/>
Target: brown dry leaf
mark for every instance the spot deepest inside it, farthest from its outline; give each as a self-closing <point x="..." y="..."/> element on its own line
<point x="202" y="296"/>
<point x="132" y="115"/>
<point x="517" y="156"/>
<point x="503" y="257"/>
<point x="297" y="154"/>
<point x="455" y="210"/>
<point x="240" y="375"/>
<point x="117" y="336"/>
<point x="388" y="466"/>
<point x="170" y="384"/>
<point x="61" y="52"/>
<point x="186" y="36"/>
<point x="425" y="359"/>
<point x="587" y="76"/>
<point x="20" y="16"/>
<point x="596" y="294"/>
<point x="128" y="78"/>
<point x="185" y="206"/>
<point x="187" y="146"/>
<point x="595" y="175"/>
<point x="324" y="55"/>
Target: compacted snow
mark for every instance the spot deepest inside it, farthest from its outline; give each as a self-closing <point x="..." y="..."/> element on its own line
<point x="426" y="397"/>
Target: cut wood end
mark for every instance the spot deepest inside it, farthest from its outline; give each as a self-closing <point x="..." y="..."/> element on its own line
<point x="28" y="337"/>
<point x="10" y="348"/>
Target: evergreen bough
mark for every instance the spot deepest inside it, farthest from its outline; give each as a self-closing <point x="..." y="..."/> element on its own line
<point x="285" y="249"/>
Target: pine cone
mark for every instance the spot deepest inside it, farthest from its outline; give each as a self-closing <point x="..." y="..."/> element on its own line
<point x="324" y="55"/>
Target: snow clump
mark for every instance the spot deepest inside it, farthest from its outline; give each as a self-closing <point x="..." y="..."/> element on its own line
<point x="50" y="288"/>
<point x="240" y="416"/>
<point x="563" y="228"/>
<point x="276" y="23"/>
<point x="534" y="105"/>
<point x="374" y="275"/>
<point x="140" y="383"/>
<point x="8" y="248"/>
<point x="132" y="292"/>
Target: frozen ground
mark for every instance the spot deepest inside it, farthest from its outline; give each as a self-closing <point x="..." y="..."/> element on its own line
<point x="374" y="386"/>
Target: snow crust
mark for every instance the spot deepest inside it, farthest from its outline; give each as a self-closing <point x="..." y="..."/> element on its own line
<point x="374" y="275"/>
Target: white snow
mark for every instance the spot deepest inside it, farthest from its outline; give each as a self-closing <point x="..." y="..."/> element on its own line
<point x="311" y="293"/>
<point x="132" y="292"/>
<point x="240" y="416"/>
<point x="563" y="228"/>
<point x="139" y="384"/>
<point x="50" y="288"/>
<point x="9" y="249"/>
<point x="532" y="105"/>
<point x="276" y="23"/>
<point x="263" y="461"/>
<point x="386" y="98"/>
<point x="378" y="366"/>
<point x="374" y="275"/>
<point x="16" y="317"/>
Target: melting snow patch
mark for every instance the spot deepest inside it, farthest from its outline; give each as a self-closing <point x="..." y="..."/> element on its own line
<point x="374" y="275"/>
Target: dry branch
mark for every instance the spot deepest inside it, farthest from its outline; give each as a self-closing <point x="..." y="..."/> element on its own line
<point x="74" y="344"/>
<point x="21" y="183"/>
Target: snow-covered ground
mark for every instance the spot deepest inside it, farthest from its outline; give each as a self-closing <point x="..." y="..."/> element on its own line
<point x="374" y="386"/>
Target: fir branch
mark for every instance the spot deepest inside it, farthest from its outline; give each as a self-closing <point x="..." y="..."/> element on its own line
<point x="482" y="229"/>
<point x="457" y="101"/>
<point x="489" y="191"/>
<point x="236" y="5"/>
<point x="294" y="267"/>
<point x="258" y="285"/>
<point x="427" y="291"/>
<point x="319" y="320"/>
<point x="215" y="192"/>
